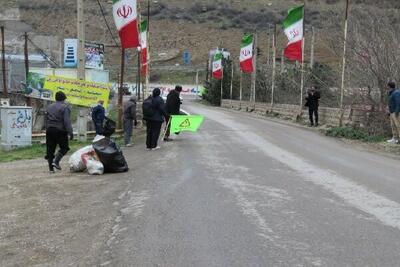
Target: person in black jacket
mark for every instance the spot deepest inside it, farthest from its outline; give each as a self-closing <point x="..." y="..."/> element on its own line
<point x="153" y="123"/>
<point x="58" y="128"/>
<point x="129" y="120"/>
<point x="98" y="116"/>
<point x="173" y="108"/>
<point x="312" y="102"/>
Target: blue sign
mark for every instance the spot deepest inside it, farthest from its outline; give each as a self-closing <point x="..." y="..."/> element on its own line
<point x="70" y="53"/>
<point x="186" y="57"/>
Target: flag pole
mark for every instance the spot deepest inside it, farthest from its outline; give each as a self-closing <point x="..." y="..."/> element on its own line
<point x="232" y="67"/>
<point x="312" y="47"/>
<point x="273" y="68"/>
<point x="148" y="51"/>
<point x="222" y="83"/>
<point x="302" y="67"/>
<point x="241" y="89"/>
<point x="254" y="74"/>
<point x="120" y="91"/>
<point x="344" y="63"/>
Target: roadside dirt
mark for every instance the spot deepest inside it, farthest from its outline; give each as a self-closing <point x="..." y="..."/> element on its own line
<point x="61" y="219"/>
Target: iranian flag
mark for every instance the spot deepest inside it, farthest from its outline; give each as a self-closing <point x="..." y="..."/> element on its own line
<point x="246" y="54"/>
<point x="293" y="25"/>
<point x="143" y="45"/>
<point x="217" y="65"/>
<point x="125" y="17"/>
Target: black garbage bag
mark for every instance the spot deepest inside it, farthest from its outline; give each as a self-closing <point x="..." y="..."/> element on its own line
<point x="110" y="155"/>
<point x="109" y="127"/>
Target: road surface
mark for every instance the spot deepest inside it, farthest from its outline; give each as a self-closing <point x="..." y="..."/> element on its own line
<point x="244" y="191"/>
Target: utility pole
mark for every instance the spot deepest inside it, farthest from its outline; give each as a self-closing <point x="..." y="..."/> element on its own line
<point x="273" y="68"/>
<point x="344" y="63"/>
<point x="312" y="47"/>
<point x="254" y="74"/>
<point x="3" y="63"/>
<point x="26" y="55"/>
<point x="82" y="113"/>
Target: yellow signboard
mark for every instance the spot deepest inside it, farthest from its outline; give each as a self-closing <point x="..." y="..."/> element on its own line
<point x="78" y="92"/>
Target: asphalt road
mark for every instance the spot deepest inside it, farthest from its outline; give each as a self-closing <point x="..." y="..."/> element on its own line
<point x="246" y="191"/>
<point x="243" y="191"/>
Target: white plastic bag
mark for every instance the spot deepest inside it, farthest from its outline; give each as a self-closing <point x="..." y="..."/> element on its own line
<point x="94" y="167"/>
<point x="75" y="161"/>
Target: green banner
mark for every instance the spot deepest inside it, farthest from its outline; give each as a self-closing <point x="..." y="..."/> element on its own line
<point x="186" y="123"/>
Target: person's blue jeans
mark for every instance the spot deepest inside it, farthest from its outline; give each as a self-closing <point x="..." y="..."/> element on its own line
<point x="99" y="128"/>
<point x="128" y="129"/>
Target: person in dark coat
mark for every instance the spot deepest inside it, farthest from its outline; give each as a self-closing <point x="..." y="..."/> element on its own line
<point x="173" y="108"/>
<point x="129" y="120"/>
<point x="58" y="128"/>
<point x="394" y="110"/>
<point x="312" y="102"/>
<point x="98" y="116"/>
<point x="153" y="123"/>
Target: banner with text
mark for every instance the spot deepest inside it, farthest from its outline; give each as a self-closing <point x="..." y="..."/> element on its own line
<point x="81" y="93"/>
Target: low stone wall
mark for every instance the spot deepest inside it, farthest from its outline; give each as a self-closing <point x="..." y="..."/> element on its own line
<point x="329" y="116"/>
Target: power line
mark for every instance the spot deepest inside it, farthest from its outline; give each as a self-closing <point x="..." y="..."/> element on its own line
<point x="108" y="26"/>
<point x="47" y="57"/>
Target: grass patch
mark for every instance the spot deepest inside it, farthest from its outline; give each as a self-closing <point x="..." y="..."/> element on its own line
<point x="354" y="134"/>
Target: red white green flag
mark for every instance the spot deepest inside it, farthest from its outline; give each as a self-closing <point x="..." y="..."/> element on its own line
<point x="144" y="50"/>
<point x="217" y="65"/>
<point x="246" y="54"/>
<point x="125" y="18"/>
<point x="293" y="25"/>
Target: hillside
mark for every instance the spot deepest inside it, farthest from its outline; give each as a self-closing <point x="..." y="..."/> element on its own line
<point x="179" y="25"/>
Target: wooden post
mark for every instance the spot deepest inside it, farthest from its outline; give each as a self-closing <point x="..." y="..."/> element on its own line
<point x="344" y="64"/>
<point x="120" y="89"/>
<point x="3" y="63"/>
<point x="273" y="69"/>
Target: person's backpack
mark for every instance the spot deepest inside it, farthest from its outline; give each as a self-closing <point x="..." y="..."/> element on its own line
<point x="148" y="108"/>
<point x="109" y="127"/>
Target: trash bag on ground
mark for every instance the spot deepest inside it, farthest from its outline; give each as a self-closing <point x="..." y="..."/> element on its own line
<point x="75" y="161"/>
<point x="92" y="163"/>
<point x="111" y="156"/>
<point x="109" y="127"/>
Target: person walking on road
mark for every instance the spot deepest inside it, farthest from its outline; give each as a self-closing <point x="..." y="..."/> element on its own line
<point x="129" y="120"/>
<point x="58" y="128"/>
<point x="154" y="114"/>
<point x="98" y="116"/>
<point x="312" y="102"/>
<point x="394" y="110"/>
<point x="173" y="108"/>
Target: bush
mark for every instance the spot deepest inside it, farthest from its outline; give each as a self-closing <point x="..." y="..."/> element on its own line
<point x="354" y="134"/>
